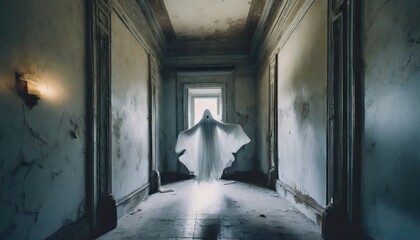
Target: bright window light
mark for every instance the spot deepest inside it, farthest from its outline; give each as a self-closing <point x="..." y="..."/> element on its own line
<point x="203" y="103"/>
<point x="202" y="98"/>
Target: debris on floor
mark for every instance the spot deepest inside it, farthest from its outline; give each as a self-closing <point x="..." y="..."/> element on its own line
<point x="228" y="183"/>
<point x="134" y="211"/>
<point x="263" y="216"/>
<point x="165" y="190"/>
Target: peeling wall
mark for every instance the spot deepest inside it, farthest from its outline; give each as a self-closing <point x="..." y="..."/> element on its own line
<point x="391" y="137"/>
<point x="42" y="150"/>
<point x="302" y="98"/>
<point x="130" y="127"/>
<point x="302" y="101"/>
<point x="241" y="111"/>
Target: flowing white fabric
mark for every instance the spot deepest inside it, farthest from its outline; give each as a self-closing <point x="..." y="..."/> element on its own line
<point x="209" y="146"/>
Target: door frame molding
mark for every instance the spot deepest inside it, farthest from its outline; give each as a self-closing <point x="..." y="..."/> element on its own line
<point x="272" y="174"/>
<point x="100" y="201"/>
<point x="347" y="208"/>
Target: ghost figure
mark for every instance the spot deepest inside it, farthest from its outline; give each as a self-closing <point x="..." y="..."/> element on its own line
<point x="209" y="146"/>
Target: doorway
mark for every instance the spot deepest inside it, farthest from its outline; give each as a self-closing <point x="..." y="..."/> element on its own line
<point x="200" y="90"/>
<point x="344" y="119"/>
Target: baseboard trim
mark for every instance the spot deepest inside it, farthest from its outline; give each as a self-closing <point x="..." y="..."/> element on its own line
<point x="125" y="204"/>
<point x="76" y="230"/>
<point x="247" y="176"/>
<point x="130" y="195"/>
<point x="299" y="198"/>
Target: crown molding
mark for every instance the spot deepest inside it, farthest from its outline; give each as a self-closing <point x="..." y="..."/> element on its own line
<point x="207" y="61"/>
<point x="137" y="17"/>
<point x="281" y="18"/>
<point x="160" y="18"/>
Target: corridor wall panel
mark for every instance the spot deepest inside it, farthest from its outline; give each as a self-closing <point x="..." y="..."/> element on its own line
<point x="43" y="148"/>
<point x="130" y="126"/>
<point x="391" y="136"/>
<point x="301" y="112"/>
<point x="262" y="136"/>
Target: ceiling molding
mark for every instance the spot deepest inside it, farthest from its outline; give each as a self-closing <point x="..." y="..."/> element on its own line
<point x="286" y="18"/>
<point x="208" y="61"/>
<point x="265" y="23"/>
<point x="254" y="15"/>
<point x="162" y="17"/>
<point x="208" y="47"/>
<point x="132" y="15"/>
<point x="154" y="24"/>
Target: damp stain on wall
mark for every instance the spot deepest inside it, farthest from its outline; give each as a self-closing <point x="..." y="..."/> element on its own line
<point x="116" y="127"/>
<point x="302" y="101"/>
<point x="130" y="111"/>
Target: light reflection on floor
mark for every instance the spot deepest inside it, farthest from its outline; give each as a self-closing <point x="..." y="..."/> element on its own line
<point x="221" y="210"/>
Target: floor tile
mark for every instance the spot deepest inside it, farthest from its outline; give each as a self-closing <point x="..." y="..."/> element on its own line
<point x="234" y="211"/>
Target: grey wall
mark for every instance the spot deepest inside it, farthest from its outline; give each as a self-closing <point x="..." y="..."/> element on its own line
<point x="245" y="115"/>
<point x="390" y="161"/>
<point x="302" y="100"/>
<point x="262" y="139"/>
<point x="42" y="150"/>
<point x="160" y="110"/>
<point x="130" y="127"/>
<point x="242" y="111"/>
<point x="169" y="163"/>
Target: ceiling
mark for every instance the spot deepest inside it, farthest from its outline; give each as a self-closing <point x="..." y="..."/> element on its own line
<point x="195" y="27"/>
<point x="208" y="19"/>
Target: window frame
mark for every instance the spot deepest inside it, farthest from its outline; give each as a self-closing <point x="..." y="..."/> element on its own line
<point x="192" y="96"/>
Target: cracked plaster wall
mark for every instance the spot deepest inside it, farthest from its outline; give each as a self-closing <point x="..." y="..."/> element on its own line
<point x="130" y="127"/>
<point x="391" y="136"/>
<point x="42" y="150"/>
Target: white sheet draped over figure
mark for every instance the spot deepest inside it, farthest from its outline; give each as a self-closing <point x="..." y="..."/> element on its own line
<point x="209" y="146"/>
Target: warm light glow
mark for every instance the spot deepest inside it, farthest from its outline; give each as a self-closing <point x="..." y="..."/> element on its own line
<point x="50" y="88"/>
<point x="44" y="86"/>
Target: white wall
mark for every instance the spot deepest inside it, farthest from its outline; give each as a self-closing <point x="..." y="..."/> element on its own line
<point x="302" y="101"/>
<point x="391" y="155"/>
<point x="42" y="150"/>
<point x="130" y="127"/>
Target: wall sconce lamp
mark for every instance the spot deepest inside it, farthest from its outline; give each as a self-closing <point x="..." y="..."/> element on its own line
<point x="28" y="88"/>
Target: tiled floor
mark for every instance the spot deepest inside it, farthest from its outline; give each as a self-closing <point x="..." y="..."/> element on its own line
<point x="224" y="210"/>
